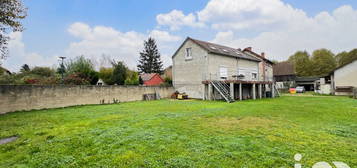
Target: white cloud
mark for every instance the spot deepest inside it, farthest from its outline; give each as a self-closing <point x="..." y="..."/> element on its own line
<point x="176" y="19"/>
<point x="334" y="31"/>
<point x="164" y="36"/>
<point x="273" y="26"/>
<point x="124" y="46"/>
<point x="249" y="14"/>
<point x="19" y="56"/>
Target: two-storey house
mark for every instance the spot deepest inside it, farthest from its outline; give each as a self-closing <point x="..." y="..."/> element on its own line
<point x="209" y="71"/>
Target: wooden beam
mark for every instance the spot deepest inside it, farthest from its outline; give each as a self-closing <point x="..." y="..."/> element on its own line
<point x="253" y="90"/>
<point x="260" y="91"/>
<point x="240" y="92"/>
<point x="210" y="91"/>
<point x="231" y="88"/>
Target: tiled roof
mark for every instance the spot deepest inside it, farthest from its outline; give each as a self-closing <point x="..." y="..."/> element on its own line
<point x="223" y="50"/>
<point x="283" y="68"/>
<point x="147" y="76"/>
<point x="259" y="56"/>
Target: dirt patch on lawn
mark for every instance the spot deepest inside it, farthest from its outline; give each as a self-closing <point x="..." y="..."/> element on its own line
<point x="230" y="123"/>
<point x="8" y="140"/>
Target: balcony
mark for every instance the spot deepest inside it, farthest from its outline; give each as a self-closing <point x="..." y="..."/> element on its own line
<point x="244" y="79"/>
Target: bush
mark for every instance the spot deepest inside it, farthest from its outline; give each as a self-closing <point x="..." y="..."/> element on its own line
<point x="132" y="78"/>
<point x="81" y="67"/>
<point x="119" y="73"/>
<point x="76" y="79"/>
<point x="10" y="79"/>
<point x="43" y="71"/>
<point x="106" y="74"/>
<point x="168" y="81"/>
<point x="93" y="77"/>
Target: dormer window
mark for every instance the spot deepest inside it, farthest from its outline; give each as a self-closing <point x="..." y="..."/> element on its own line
<point x="188" y="53"/>
<point x="212" y="47"/>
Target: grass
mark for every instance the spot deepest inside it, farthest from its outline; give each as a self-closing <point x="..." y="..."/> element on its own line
<point x="170" y="133"/>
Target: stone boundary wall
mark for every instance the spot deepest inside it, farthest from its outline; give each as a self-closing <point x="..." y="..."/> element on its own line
<point x="30" y="97"/>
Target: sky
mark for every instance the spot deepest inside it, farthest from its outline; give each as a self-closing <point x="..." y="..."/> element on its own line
<point x="115" y="29"/>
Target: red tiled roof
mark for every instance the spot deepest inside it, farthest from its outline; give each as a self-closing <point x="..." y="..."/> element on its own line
<point x="147" y="76"/>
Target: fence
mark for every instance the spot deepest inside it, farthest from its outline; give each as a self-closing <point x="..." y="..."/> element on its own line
<point x="29" y="97"/>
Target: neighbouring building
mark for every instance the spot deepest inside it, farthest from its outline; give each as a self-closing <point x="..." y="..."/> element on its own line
<point x="265" y="65"/>
<point x="344" y="79"/>
<point x="151" y="79"/>
<point x="101" y="82"/>
<point x="167" y="73"/>
<point x="284" y="75"/>
<point x="205" y="70"/>
<point x="4" y="71"/>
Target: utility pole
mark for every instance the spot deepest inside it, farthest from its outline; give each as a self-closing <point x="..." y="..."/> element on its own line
<point x="62" y="68"/>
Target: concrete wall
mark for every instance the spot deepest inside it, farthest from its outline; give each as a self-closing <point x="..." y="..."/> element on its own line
<point x="28" y="97"/>
<point x="188" y="74"/>
<point x="232" y="64"/>
<point x="346" y="76"/>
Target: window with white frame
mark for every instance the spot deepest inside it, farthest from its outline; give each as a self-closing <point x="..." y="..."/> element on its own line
<point x="188" y="53"/>
<point x="223" y="72"/>
<point x="254" y="76"/>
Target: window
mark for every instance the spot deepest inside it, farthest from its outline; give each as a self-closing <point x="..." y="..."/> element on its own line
<point x="254" y="75"/>
<point x="223" y="72"/>
<point x="188" y="53"/>
<point x="212" y="47"/>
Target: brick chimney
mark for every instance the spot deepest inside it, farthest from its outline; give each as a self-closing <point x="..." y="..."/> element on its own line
<point x="263" y="54"/>
<point x="248" y="49"/>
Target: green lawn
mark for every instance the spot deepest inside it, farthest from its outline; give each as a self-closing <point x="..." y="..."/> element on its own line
<point x="172" y="133"/>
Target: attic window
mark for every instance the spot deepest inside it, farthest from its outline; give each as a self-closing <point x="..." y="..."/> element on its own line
<point x="188" y="54"/>
<point x="238" y="53"/>
<point x="213" y="47"/>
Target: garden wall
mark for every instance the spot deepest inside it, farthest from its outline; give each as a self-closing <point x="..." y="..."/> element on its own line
<point x="29" y="97"/>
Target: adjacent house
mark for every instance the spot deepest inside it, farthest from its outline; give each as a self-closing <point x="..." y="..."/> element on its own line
<point x="344" y="79"/>
<point x="4" y="71"/>
<point x="284" y="75"/>
<point x="151" y="79"/>
<point x="265" y="65"/>
<point x="205" y="70"/>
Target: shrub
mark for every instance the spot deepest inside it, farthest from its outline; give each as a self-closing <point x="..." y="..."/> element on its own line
<point x="119" y="73"/>
<point x="106" y="74"/>
<point x="81" y="67"/>
<point x="76" y="79"/>
<point x="132" y="78"/>
<point x="43" y="71"/>
<point x="168" y="81"/>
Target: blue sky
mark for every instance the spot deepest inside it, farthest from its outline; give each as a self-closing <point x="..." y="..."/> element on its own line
<point x="47" y="26"/>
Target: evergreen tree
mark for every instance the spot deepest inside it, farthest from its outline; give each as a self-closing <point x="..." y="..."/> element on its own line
<point x="25" y="68"/>
<point x="150" y="58"/>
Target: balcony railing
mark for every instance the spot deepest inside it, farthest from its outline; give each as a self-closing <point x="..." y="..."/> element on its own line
<point x="233" y="77"/>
